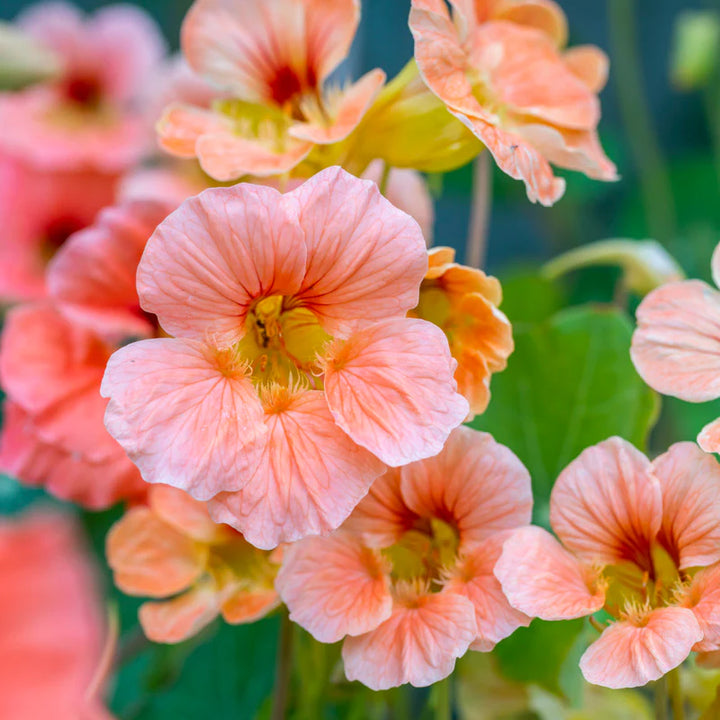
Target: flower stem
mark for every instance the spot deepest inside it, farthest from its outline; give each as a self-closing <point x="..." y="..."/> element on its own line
<point x="676" y="695"/>
<point x="283" y="667"/>
<point x="442" y="700"/>
<point x="480" y="211"/>
<point x="661" y="698"/>
<point x="652" y="169"/>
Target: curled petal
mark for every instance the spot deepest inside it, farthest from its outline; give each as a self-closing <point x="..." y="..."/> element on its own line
<point x="690" y="484"/>
<point x="391" y="388"/>
<point x="709" y="437"/>
<point x="309" y="477"/>
<point x="630" y="654"/>
<point x="542" y="579"/>
<point x="186" y="515"/>
<point x="186" y="414"/>
<point x="606" y="505"/>
<point x="247" y="606"/>
<point x="544" y="15"/>
<point x="676" y="347"/>
<point x="417" y="644"/>
<point x="474" y="480"/>
<point x="703" y="598"/>
<point x="590" y="64"/>
<point x="335" y="586"/>
<point x="181" y="126"/>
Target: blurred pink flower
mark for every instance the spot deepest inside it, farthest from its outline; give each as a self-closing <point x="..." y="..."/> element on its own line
<point x="294" y="376"/>
<point x="499" y="68"/>
<point x="171" y="550"/>
<point x="408" y="580"/>
<point x="88" y="117"/>
<point x="39" y="210"/>
<point x="270" y="59"/>
<point x="639" y="539"/>
<point x="676" y="347"/>
<point x="51" y="621"/>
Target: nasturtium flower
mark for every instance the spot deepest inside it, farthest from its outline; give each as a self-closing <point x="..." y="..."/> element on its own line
<point x="270" y="59"/>
<point x="196" y="570"/>
<point x="500" y="68"/>
<point x="87" y="116"/>
<point x="294" y="376"/>
<point x="52" y="626"/>
<point x="640" y="540"/>
<point x="463" y="302"/>
<point x="408" y="580"/>
<point x="676" y="347"/>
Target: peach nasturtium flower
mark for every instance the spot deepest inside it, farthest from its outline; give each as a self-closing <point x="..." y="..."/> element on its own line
<point x="196" y="570"/>
<point x="640" y="540"/>
<point x="463" y="302"/>
<point x="676" y="347"/>
<point x="270" y="60"/>
<point x="51" y="621"/>
<point x="86" y="117"/>
<point x="294" y="376"/>
<point x="408" y="580"/>
<point x="501" y="69"/>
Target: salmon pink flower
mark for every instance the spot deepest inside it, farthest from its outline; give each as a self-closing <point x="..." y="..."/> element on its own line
<point x="39" y="210"/>
<point x="270" y="59"/>
<point x="463" y="302"/>
<point x="87" y="116"/>
<point x="498" y="67"/>
<point x="408" y="580"/>
<point x="171" y="550"/>
<point x="51" y="621"/>
<point x="677" y="344"/>
<point x="294" y="376"/>
<point x="639" y="539"/>
<point x="53" y="433"/>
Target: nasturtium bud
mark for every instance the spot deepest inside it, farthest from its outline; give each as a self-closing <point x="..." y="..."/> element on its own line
<point x="695" y="49"/>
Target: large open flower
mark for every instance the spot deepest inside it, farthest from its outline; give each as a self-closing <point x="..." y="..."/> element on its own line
<point x="408" y="580"/>
<point x="87" y="117"/>
<point x="639" y="539"/>
<point x="499" y="68"/>
<point x="270" y="60"/>
<point x="295" y="375"/>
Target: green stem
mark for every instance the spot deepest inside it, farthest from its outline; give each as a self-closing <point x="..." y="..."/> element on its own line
<point x="383" y="185"/>
<point x="283" y="667"/>
<point x="442" y="700"/>
<point x="711" y="98"/>
<point x="676" y="695"/>
<point x="661" y="699"/>
<point x="652" y="169"/>
<point x="480" y="211"/>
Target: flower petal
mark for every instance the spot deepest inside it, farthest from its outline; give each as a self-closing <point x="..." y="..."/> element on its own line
<point x="590" y="64"/>
<point x="186" y="416"/>
<point x="474" y="481"/>
<point x="544" y="15"/>
<point x="690" y="485"/>
<point x="606" y="505"/>
<point x="676" y="347"/>
<point x="335" y="586"/>
<point x="214" y="255"/>
<point x="417" y="644"/>
<point x="391" y="388"/>
<point x="247" y="606"/>
<point x="186" y="515"/>
<point x="365" y="258"/>
<point x="150" y="557"/>
<point x="703" y="598"/>
<point x="473" y="578"/>
<point x="181" y="126"/>
<point x="309" y="477"/>
<point x="630" y="655"/>
<point x="709" y="437"/>
<point x="542" y="579"/>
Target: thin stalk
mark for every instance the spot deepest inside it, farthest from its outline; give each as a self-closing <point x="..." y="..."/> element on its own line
<point x="676" y="695"/>
<point x="283" y="668"/>
<point x="711" y="98"/>
<point x="385" y="177"/>
<point x="651" y="166"/>
<point x="480" y="211"/>
<point x="661" y="699"/>
<point x="442" y="700"/>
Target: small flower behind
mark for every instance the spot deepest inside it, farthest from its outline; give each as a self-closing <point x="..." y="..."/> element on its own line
<point x="270" y="60"/>
<point x="171" y="550"/>
<point x="408" y="580"/>
<point x="463" y="302"/>
<point x="500" y="67"/>
<point x="640" y="540"/>
<point x="294" y="377"/>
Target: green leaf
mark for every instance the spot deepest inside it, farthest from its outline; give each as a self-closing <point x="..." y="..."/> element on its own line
<point x="543" y="654"/>
<point x="569" y="384"/>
